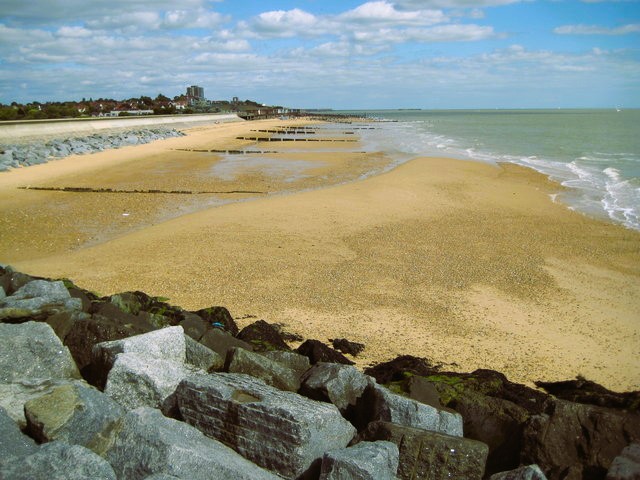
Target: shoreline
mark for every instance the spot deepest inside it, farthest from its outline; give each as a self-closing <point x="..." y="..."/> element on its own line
<point x="461" y="262"/>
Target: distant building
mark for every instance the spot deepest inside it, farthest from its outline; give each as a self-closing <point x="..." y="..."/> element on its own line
<point x="195" y="92"/>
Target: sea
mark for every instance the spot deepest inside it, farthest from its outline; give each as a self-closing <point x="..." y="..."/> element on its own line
<point x="594" y="153"/>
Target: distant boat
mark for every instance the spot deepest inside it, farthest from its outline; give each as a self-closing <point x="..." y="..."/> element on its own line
<point x="618" y="110"/>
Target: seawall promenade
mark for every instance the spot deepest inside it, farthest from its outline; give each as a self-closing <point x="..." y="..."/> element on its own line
<point x="26" y="129"/>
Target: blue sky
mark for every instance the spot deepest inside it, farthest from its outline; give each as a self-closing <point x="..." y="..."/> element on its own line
<point x="326" y="53"/>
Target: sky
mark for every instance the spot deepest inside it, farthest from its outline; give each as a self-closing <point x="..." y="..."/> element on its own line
<point x="340" y="54"/>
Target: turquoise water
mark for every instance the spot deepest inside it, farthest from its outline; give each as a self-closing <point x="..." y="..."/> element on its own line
<point x="594" y="152"/>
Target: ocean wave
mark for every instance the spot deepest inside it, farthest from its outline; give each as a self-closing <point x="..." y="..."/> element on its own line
<point x="599" y="186"/>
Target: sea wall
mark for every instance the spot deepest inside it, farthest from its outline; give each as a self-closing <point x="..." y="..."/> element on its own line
<point x="130" y="387"/>
<point x="12" y="131"/>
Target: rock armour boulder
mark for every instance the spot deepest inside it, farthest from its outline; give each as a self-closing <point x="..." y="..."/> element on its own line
<point x="280" y="431"/>
<point x="364" y="461"/>
<point x="144" y="443"/>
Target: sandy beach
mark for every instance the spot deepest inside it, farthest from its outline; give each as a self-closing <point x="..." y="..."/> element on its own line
<point x="468" y="264"/>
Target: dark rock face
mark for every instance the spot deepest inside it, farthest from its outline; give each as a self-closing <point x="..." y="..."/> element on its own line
<point x="431" y="455"/>
<point x="221" y="316"/>
<point x="194" y="326"/>
<point x="280" y="431"/>
<point x="399" y="367"/>
<point x="319" y="352"/>
<point x="586" y="391"/>
<point x="572" y="440"/>
<point x="221" y="342"/>
<point x="263" y="337"/>
<point x="345" y="346"/>
<point x="498" y="423"/>
<point x="57" y="460"/>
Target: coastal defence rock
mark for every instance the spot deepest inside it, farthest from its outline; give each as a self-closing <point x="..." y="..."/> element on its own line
<point x="390" y="407"/>
<point x="38" y="298"/>
<point x="280" y="431"/>
<point x="57" y="460"/>
<point x="167" y="344"/>
<point x="571" y="440"/>
<point x="263" y="337"/>
<point x="32" y="361"/>
<point x="71" y="413"/>
<point x="526" y="472"/>
<point x="37" y="350"/>
<point x="341" y="385"/>
<point x="136" y="380"/>
<point x="364" y="461"/>
<point x="426" y="454"/>
<point x="145" y="443"/>
<point x="37" y="152"/>
<point x="296" y="362"/>
<point x="199" y="356"/>
<point x="319" y="352"/>
<point x="221" y="342"/>
<point x="272" y="373"/>
<point x="626" y="466"/>
<point x="13" y="443"/>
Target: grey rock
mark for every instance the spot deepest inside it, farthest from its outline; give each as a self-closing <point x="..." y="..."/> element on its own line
<point x="363" y="461"/>
<point x="336" y="383"/>
<point x="144" y="442"/>
<point x="296" y="362"/>
<point x="37" y="297"/>
<point x="199" y="356"/>
<point x="391" y="407"/>
<point x="162" y="476"/>
<point x="527" y="472"/>
<point x="272" y="373"/>
<point x="278" y="430"/>
<point x="136" y="380"/>
<point x="14" y="395"/>
<point x="13" y="443"/>
<point x="431" y="455"/>
<point x="31" y="350"/>
<point x="166" y="344"/>
<point x="57" y="461"/>
<point x="626" y="466"/>
<point x="72" y="413"/>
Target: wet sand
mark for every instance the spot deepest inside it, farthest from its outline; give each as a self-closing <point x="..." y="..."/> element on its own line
<point x="465" y="263"/>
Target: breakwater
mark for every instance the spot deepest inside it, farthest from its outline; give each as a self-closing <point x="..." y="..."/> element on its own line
<point x="41" y="151"/>
<point x="129" y="386"/>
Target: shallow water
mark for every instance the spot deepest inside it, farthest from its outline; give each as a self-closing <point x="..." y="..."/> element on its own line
<point x="594" y="152"/>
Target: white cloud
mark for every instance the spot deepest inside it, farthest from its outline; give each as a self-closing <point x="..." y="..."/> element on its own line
<point x="75" y="32"/>
<point x="385" y="13"/>
<point x="439" y="33"/>
<point x="412" y="4"/>
<point x="281" y="23"/>
<point x="597" y="30"/>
